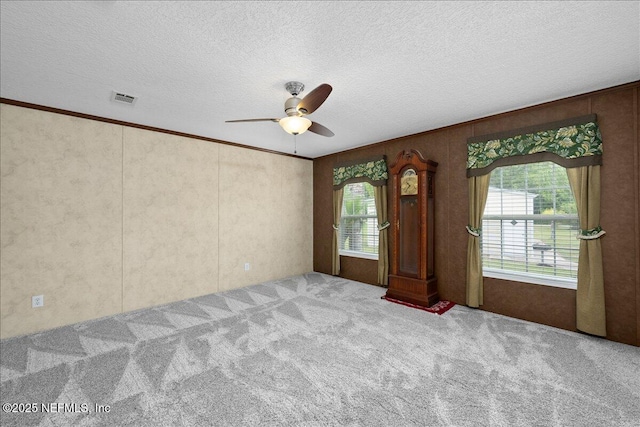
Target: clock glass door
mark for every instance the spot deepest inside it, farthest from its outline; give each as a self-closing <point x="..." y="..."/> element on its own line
<point x="409" y="240"/>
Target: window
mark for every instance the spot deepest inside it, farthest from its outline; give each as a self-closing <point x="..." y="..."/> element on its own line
<point x="359" y="222"/>
<point x="529" y="226"/>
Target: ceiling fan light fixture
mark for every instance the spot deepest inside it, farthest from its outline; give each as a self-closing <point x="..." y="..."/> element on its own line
<point x="295" y="125"/>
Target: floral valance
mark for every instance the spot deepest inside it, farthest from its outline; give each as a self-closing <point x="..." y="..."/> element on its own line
<point x="570" y="143"/>
<point x="373" y="171"/>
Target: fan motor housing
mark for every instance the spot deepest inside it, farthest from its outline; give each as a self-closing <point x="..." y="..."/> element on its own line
<point x="291" y="106"/>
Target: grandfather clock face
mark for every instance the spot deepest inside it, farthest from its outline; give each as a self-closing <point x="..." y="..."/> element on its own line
<point x="409" y="183"/>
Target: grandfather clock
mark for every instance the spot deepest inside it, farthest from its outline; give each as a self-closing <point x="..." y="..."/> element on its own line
<point x="412" y="276"/>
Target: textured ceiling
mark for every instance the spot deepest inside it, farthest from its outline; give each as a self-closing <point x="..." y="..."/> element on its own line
<point x="397" y="68"/>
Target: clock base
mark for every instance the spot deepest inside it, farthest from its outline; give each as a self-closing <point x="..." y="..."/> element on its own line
<point x="415" y="291"/>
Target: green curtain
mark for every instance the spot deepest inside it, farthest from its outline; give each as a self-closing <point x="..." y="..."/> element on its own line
<point x="337" y="213"/>
<point x="380" y="194"/>
<point x="570" y="143"/>
<point x="575" y="144"/>
<point x="375" y="172"/>
<point x="590" y="308"/>
<point x="478" y="191"/>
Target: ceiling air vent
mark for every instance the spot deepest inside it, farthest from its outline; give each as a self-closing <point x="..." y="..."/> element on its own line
<point x="123" y="98"/>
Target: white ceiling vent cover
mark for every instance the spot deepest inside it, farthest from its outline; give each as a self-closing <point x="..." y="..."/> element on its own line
<point x="123" y="98"/>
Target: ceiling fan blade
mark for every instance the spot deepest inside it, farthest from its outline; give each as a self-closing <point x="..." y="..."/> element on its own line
<point x="314" y="99"/>
<point x="252" y="120"/>
<point x="320" y="130"/>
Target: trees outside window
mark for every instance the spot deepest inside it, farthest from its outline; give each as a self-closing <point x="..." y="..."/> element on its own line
<point x="358" y="224"/>
<point x="530" y="224"/>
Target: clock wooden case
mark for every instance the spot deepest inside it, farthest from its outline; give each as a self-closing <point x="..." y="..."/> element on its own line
<point x="412" y="274"/>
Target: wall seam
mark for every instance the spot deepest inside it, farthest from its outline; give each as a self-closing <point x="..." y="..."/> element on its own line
<point x="636" y="132"/>
<point x="218" y="224"/>
<point x="448" y="246"/>
<point x="122" y="219"/>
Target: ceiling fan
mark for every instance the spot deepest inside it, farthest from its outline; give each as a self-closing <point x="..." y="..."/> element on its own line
<point x="295" y="123"/>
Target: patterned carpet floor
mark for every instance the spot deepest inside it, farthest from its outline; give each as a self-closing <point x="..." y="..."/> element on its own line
<point x="315" y="350"/>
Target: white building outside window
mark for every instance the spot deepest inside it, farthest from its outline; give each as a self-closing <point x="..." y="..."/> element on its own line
<point x="529" y="226"/>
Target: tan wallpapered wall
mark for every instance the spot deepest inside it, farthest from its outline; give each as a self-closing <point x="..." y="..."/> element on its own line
<point x="102" y="218"/>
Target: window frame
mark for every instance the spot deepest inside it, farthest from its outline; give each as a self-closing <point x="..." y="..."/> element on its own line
<point x="526" y="276"/>
<point x="352" y="253"/>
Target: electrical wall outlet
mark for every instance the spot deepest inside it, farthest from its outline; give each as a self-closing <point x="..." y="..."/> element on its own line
<point x="37" y="301"/>
<point x="247" y="266"/>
